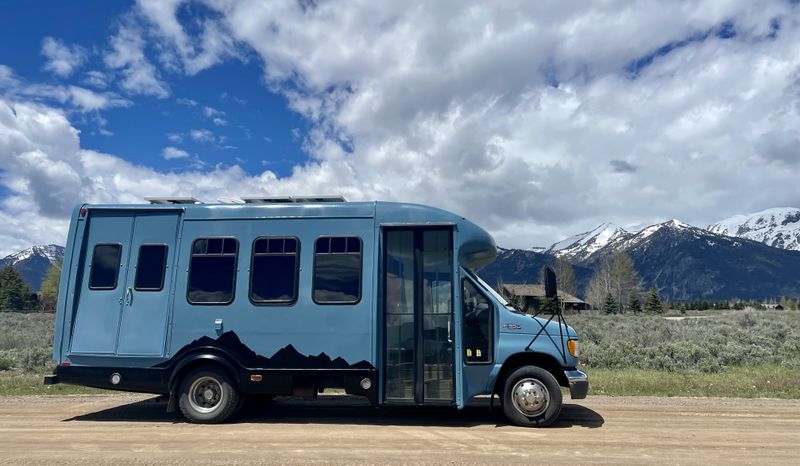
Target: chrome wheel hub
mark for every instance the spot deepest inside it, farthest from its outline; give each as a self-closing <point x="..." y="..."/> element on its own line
<point x="205" y="394"/>
<point x="530" y="397"/>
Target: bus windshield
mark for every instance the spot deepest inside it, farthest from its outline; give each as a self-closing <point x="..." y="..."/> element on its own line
<point x="491" y="290"/>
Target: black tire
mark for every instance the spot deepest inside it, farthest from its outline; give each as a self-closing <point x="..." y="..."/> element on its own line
<point x="541" y="406"/>
<point x="207" y="396"/>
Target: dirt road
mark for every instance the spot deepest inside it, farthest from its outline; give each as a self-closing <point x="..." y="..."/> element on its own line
<point x="136" y="429"/>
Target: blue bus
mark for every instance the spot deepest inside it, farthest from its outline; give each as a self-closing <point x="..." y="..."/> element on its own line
<point x="210" y="304"/>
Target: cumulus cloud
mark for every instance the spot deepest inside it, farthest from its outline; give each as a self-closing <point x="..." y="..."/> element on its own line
<point x="174" y="153"/>
<point x="62" y="59"/>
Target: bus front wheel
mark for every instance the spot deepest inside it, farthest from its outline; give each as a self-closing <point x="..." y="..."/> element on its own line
<point x="531" y="397"/>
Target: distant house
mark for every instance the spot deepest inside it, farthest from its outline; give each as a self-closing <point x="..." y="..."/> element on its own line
<point x="532" y="295"/>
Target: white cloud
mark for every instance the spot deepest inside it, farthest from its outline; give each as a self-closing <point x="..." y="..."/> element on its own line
<point x="211" y="46"/>
<point x="75" y="98"/>
<point x="88" y="100"/>
<point x="174" y="153"/>
<point x="211" y="112"/>
<point x="62" y="60"/>
<point x="202" y="135"/>
<point x="175" y="138"/>
<point x="127" y="54"/>
<point x="96" y="79"/>
<point x="513" y="114"/>
<point x="187" y="102"/>
<point x="220" y="121"/>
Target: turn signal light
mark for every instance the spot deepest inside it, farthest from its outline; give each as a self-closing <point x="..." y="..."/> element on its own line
<point x="574" y="347"/>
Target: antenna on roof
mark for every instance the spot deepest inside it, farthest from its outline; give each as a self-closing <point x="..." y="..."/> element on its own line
<point x="291" y="199"/>
<point x="172" y="200"/>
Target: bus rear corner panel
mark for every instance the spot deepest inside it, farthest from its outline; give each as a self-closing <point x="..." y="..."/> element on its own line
<point x="130" y="379"/>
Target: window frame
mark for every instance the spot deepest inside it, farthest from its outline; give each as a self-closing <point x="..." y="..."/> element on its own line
<point x="221" y="254"/>
<point x="360" y="269"/>
<point x="163" y="267"/>
<point x="116" y="274"/>
<point x="296" y="290"/>
<point x="492" y="339"/>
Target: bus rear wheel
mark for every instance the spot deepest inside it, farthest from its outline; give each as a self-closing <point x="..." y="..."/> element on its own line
<point x="531" y="397"/>
<point x="207" y="396"/>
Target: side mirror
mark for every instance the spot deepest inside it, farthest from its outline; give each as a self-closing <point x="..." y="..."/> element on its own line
<point x="550" y="290"/>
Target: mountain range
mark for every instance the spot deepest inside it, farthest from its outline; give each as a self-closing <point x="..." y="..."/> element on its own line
<point x="746" y="256"/>
<point x="32" y="263"/>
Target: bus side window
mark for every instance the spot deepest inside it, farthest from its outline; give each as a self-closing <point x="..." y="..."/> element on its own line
<point x="337" y="270"/>
<point x="477" y="316"/>
<point x="105" y="266"/>
<point x="151" y="267"/>
<point x="274" y="270"/>
<point x="212" y="271"/>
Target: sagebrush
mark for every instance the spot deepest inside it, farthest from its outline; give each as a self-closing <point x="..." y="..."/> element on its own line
<point x="705" y="344"/>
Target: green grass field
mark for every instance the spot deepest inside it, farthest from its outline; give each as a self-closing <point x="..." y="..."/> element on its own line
<point x="724" y="353"/>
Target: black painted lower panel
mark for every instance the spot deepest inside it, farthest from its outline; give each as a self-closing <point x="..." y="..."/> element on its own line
<point x="132" y="379"/>
<point x="273" y="381"/>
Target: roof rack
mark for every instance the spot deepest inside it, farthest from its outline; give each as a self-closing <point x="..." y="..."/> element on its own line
<point x="172" y="200"/>
<point x="290" y="199"/>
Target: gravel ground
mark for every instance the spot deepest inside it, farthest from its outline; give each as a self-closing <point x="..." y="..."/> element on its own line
<point x="135" y="429"/>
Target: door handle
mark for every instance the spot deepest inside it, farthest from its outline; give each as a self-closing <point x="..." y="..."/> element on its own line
<point x="129" y="296"/>
<point x="449" y="337"/>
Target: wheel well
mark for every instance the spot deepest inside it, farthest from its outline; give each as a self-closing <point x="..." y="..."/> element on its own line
<point x="204" y="360"/>
<point x="545" y="361"/>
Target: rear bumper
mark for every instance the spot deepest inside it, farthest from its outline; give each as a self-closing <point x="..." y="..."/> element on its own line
<point x="578" y="384"/>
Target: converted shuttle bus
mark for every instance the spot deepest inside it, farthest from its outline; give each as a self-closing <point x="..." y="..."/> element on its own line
<point x="212" y="303"/>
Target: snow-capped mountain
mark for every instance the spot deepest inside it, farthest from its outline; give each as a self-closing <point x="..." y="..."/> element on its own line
<point x="778" y="227"/>
<point x="580" y="247"/>
<point x="682" y="261"/>
<point x="32" y="263"/>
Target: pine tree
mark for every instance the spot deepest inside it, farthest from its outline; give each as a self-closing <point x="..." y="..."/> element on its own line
<point x="48" y="294"/>
<point x="653" y="303"/>
<point x="548" y="305"/>
<point x="14" y="293"/>
<point x="635" y="306"/>
<point x="610" y="305"/>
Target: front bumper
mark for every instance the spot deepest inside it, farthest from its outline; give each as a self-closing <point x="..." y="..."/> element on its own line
<point x="578" y="384"/>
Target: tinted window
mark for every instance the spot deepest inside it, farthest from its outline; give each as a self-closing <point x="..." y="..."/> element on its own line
<point x="212" y="271"/>
<point x="273" y="275"/>
<point x="337" y="270"/>
<point x="151" y="267"/>
<point x="477" y="325"/>
<point x="105" y="266"/>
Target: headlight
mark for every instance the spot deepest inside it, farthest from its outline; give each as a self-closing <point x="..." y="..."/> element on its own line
<point x="574" y="347"/>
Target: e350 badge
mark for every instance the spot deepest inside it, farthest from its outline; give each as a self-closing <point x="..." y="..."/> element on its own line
<point x="513" y="326"/>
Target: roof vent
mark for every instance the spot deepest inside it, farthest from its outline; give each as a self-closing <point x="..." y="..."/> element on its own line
<point x="290" y="199"/>
<point x="172" y="200"/>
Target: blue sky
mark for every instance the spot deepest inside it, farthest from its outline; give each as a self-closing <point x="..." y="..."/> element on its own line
<point x="259" y="131"/>
<point x="537" y="120"/>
